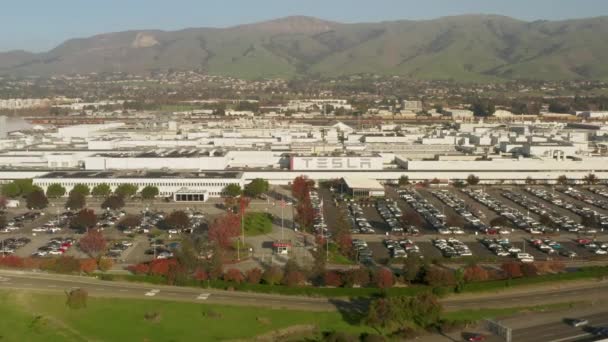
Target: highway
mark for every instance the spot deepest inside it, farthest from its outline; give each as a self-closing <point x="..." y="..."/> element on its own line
<point x="559" y="331"/>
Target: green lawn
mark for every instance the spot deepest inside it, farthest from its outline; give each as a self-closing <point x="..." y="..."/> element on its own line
<point x="45" y="317"/>
<point x="258" y="224"/>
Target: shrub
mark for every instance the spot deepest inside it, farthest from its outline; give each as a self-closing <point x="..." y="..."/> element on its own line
<point x="105" y="264"/>
<point x="332" y="278"/>
<point x="76" y="298"/>
<point x="273" y="275"/>
<point x="254" y="276"/>
<point x="234" y="275"/>
<point x="383" y="278"/>
<point x="88" y="265"/>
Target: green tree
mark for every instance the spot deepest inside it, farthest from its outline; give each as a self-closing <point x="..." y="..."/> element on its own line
<point x="563" y="180"/>
<point x="37" y="200"/>
<point x="76" y="200"/>
<point x="101" y="190"/>
<point x="126" y="190"/>
<point x="472" y="180"/>
<point x="26" y="186"/>
<point x="55" y="191"/>
<point x="11" y="190"/>
<point x="81" y="189"/>
<point x="149" y="192"/>
<point x="591" y="179"/>
<point x="411" y="268"/>
<point x="257" y="187"/>
<point x="232" y="190"/>
<point x="404" y="180"/>
<point x="113" y="203"/>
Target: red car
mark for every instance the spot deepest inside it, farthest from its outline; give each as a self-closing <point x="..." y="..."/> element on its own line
<point x="476" y="338"/>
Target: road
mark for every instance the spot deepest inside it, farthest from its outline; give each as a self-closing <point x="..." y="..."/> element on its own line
<point x="33" y="281"/>
<point x="559" y="331"/>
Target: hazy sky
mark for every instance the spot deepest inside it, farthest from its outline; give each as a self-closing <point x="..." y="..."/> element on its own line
<point x="38" y="25"/>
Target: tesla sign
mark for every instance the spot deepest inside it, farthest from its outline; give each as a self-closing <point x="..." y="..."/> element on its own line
<point x="336" y="163"/>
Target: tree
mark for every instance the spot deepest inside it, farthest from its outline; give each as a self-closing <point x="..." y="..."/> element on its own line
<point x="257" y="187"/>
<point x="500" y="221"/>
<point x="224" y="228"/>
<point x="232" y="190"/>
<point x="82" y="189"/>
<point x="475" y="273"/>
<point x="114" y="202"/>
<point x="83" y="220"/>
<point x="342" y="235"/>
<point x="556" y="107"/>
<point x="25" y="186"/>
<point x="472" y="180"/>
<point x="358" y="276"/>
<point x="426" y="310"/>
<point x="301" y="186"/>
<point x="404" y="180"/>
<point x="37" y="200"/>
<point x="273" y="275"/>
<point x="105" y="264"/>
<point x="591" y="221"/>
<point x="438" y="277"/>
<point x="591" y="179"/>
<point x="149" y="192"/>
<point x="530" y="181"/>
<point x="92" y="243"/>
<point x="546" y="220"/>
<point x="254" y="276"/>
<point x="332" y="278"/>
<point x="563" y="180"/>
<point x="3" y="222"/>
<point x="178" y="219"/>
<point x="383" y="278"/>
<point x="482" y="108"/>
<point x="88" y="265"/>
<point x="512" y="269"/>
<point x="75" y="201"/>
<point x="3" y="202"/>
<point x="128" y="222"/>
<point x="55" y="191"/>
<point x="411" y="217"/>
<point x="101" y="190"/>
<point x="305" y="212"/>
<point x="126" y="190"/>
<point x="412" y="268"/>
<point x="11" y="190"/>
<point x="234" y="275"/>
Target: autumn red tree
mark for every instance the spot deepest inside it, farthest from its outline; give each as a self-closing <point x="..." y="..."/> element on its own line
<point x="88" y="265"/>
<point x="332" y="278"/>
<point x="475" y="273"/>
<point x="200" y="274"/>
<point x="139" y="269"/>
<point x="384" y="278"/>
<point x="254" y="276"/>
<point x="437" y="276"/>
<point x="234" y="275"/>
<point x="301" y="187"/>
<point x="294" y="278"/>
<point x="92" y="243"/>
<point x="161" y="266"/>
<point x="305" y="212"/>
<point x="224" y="228"/>
<point x="512" y="269"/>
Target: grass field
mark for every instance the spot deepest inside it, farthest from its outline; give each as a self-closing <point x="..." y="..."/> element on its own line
<point x="45" y="317"/>
<point x="257" y="224"/>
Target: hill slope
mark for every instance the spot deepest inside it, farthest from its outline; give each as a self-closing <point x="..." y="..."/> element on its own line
<point x="471" y="47"/>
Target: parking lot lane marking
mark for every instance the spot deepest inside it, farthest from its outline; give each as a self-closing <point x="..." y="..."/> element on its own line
<point x="51" y="286"/>
<point x="203" y="296"/>
<point x="123" y="290"/>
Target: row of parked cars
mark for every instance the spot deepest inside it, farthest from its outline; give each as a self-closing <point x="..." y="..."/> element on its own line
<point x="518" y="219"/>
<point x="359" y="224"/>
<point x="391" y="213"/>
<point x="561" y="221"/>
<point x="364" y="254"/>
<point x="549" y="246"/>
<point x="595" y="247"/>
<point x="460" y="207"/>
<point x="577" y="209"/>
<point x="428" y="211"/>
<point x="579" y="195"/>
<point x="451" y="247"/>
<point x="55" y="246"/>
<point x="403" y="248"/>
<point x="10" y="245"/>
<point x="18" y="221"/>
<point x="500" y="246"/>
<point x="117" y="248"/>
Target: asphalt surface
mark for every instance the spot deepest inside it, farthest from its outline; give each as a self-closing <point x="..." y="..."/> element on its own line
<point x="559" y="331"/>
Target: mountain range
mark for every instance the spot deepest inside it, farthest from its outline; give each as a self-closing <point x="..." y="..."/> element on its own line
<point x="468" y="47"/>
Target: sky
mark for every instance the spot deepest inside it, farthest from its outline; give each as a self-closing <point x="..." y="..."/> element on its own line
<point x="39" y="25"/>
